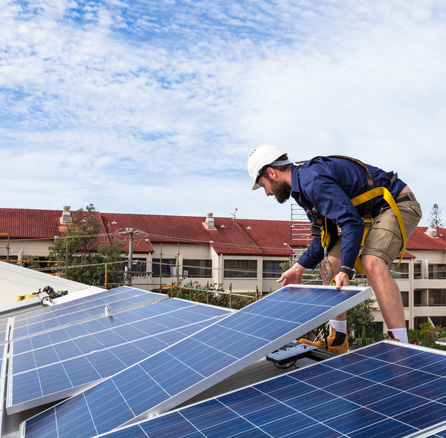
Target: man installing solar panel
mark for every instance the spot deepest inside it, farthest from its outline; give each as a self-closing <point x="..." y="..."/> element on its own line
<point x="375" y="211"/>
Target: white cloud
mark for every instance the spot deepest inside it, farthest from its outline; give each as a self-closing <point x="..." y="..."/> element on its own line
<point x="166" y="99"/>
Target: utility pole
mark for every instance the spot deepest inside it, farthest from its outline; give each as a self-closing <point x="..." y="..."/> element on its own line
<point x="178" y="267"/>
<point x="161" y="267"/>
<point x="130" y="264"/>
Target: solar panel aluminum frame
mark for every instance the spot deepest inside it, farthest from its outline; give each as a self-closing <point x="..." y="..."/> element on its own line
<point x="175" y="400"/>
<point x="3" y="386"/>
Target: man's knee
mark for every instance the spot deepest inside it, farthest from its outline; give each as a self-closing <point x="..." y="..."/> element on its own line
<point x="374" y="265"/>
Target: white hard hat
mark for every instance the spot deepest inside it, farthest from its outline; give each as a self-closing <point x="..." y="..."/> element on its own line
<point x="260" y="157"/>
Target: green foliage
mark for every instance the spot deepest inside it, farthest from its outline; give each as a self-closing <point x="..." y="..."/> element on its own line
<point x="309" y="277"/>
<point x="86" y="251"/>
<point x="29" y="262"/>
<point x="360" y="317"/>
<point x="427" y="335"/>
<point x="286" y="265"/>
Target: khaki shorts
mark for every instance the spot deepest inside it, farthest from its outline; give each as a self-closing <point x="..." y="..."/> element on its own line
<point x="384" y="239"/>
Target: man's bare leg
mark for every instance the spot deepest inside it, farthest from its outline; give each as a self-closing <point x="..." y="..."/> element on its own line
<point x="336" y="264"/>
<point x="386" y="292"/>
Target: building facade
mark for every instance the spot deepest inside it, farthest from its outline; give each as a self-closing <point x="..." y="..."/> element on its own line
<point x="241" y="255"/>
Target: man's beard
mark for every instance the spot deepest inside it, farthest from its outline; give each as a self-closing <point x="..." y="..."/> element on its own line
<point x="282" y="191"/>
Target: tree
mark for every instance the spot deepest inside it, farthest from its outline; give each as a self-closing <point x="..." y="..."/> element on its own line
<point x="436" y="220"/>
<point x="360" y="317"/>
<point x="86" y="251"/>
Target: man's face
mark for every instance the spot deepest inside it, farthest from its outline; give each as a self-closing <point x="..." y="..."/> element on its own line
<point x="281" y="190"/>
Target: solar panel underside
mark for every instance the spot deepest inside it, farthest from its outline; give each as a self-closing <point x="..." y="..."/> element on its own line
<point x="73" y="311"/>
<point x="54" y="365"/>
<point x="185" y="369"/>
<point x="384" y="390"/>
<point x="3" y="360"/>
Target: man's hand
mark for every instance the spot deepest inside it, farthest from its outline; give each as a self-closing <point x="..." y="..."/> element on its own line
<point x="292" y="275"/>
<point x="342" y="279"/>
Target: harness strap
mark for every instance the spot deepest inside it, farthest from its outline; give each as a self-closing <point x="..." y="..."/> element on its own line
<point x="371" y="194"/>
<point x="367" y="213"/>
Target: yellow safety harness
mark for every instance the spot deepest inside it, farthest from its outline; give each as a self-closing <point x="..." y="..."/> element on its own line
<point x="319" y="223"/>
<point x="367" y="196"/>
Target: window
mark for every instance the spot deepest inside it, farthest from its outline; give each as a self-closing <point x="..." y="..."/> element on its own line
<point x="405" y="298"/>
<point x="417" y="270"/>
<point x="439" y="320"/>
<point x="437" y="297"/>
<point x="240" y="269"/>
<point x="417" y="298"/>
<point x="4" y="258"/>
<point x="377" y="327"/>
<point x="139" y="267"/>
<point x="197" y="268"/>
<point x="272" y="269"/>
<point x="167" y="264"/>
<point x="401" y="272"/>
<point x="437" y="271"/>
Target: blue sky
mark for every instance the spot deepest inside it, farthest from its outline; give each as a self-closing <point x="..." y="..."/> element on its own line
<point x="154" y="106"/>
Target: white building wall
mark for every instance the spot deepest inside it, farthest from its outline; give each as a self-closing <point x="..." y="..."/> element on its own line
<point x="243" y="285"/>
<point x="26" y="247"/>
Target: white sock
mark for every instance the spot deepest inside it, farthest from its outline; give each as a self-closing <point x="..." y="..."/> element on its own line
<point x="400" y="334"/>
<point x="339" y="326"/>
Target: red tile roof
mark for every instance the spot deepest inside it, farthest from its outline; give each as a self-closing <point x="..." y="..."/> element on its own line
<point x="420" y="240"/>
<point x="230" y="236"/>
<point x="29" y="224"/>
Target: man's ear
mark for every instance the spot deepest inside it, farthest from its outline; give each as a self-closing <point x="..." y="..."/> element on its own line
<point x="272" y="173"/>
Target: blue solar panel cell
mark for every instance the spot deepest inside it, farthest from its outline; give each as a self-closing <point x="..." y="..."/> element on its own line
<point x="66" y="350"/>
<point x="27" y="386"/>
<point x="106" y="363"/>
<point x="81" y="371"/>
<point x="201" y="360"/>
<point x="177" y="427"/>
<point x="297" y="404"/>
<point x="386" y="428"/>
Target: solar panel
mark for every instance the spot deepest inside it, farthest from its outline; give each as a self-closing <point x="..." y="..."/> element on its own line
<point x="185" y="369"/>
<point x="52" y="366"/>
<point x="383" y="390"/>
<point x="83" y="308"/>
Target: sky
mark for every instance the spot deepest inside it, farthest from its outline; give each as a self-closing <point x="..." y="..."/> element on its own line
<point x="153" y="106"/>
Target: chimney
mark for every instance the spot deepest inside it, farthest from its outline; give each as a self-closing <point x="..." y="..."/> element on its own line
<point x="65" y="219"/>
<point x="209" y="222"/>
<point x="431" y="231"/>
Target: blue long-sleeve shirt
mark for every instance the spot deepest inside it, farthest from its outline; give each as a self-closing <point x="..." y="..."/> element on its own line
<point x="328" y="184"/>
